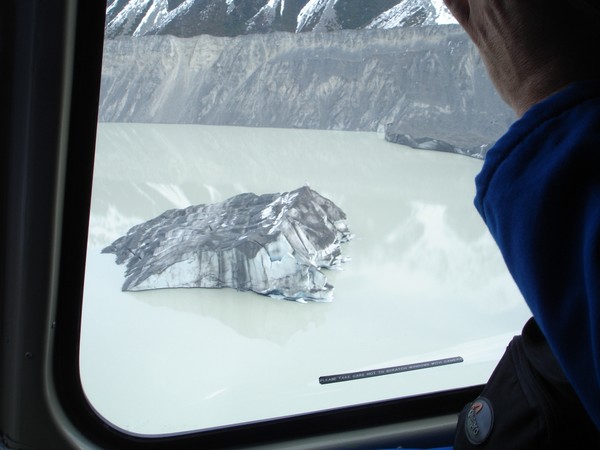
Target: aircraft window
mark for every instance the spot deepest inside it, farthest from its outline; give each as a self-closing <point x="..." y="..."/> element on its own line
<point x="374" y="119"/>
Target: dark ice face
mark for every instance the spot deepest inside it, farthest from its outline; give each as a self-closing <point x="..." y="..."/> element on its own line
<point x="272" y="244"/>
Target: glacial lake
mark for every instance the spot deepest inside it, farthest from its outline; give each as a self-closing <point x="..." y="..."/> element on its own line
<point x="425" y="281"/>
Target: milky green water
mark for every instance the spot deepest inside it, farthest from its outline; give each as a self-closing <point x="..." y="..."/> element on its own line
<point x="425" y="281"/>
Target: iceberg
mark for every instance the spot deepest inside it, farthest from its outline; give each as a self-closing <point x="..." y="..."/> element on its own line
<point x="272" y="244"/>
<point x="428" y="143"/>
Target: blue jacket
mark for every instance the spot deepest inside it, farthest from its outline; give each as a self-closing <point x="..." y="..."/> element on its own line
<point x="539" y="194"/>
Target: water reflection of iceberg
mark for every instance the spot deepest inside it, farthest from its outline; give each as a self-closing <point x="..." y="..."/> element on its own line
<point x="273" y="244"/>
<point x="227" y="315"/>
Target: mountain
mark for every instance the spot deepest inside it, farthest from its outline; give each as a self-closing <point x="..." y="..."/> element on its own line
<point x="186" y="18"/>
<point x="427" y="82"/>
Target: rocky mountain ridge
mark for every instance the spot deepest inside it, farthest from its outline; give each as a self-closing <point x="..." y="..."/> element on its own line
<point x="186" y="18"/>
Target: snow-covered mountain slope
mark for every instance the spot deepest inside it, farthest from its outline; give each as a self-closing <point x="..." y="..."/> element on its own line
<point x="185" y="18"/>
<point x="414" y="13"/>
<point x="425" y="81"/>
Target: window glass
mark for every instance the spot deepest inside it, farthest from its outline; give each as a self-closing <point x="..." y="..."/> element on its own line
<point x="383" y="110"/>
